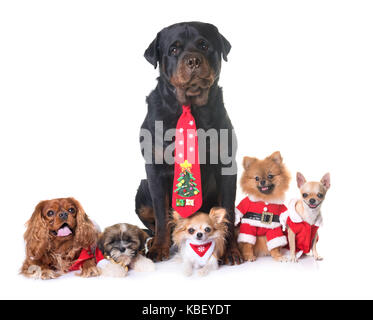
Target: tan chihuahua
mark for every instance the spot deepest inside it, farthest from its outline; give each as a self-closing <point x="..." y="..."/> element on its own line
<point x="303" y="217"/>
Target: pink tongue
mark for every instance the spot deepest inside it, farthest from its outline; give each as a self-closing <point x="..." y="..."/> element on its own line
<point x="63" y="232"/>
<point x="265" y="188"/>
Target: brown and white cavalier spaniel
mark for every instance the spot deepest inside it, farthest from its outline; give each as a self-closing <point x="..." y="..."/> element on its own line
<point x="56" y="234"/>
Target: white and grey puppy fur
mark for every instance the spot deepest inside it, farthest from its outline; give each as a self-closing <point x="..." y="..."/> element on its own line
<point x="123" y="243"/>
<point x="309" y="208"/>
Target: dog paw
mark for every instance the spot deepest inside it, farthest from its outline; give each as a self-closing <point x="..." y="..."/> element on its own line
<point x="89" y="272"/>
<point x="158" y="253"/>
<point x="232" y="256"/>
<point x="188" y="271"/>
<point x="280" y="259"/>
<point x="293" y="259"/>
<point x="49" y="274"/>
<point x="36" y="272"/>
<point x="318" y="258"/>
<point x="203" y="272"/>
<point x="143" y="264"/>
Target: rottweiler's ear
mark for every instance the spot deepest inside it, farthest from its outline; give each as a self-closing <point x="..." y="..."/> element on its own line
<point x="152" y="53"/>
<point x="225" y="47"/>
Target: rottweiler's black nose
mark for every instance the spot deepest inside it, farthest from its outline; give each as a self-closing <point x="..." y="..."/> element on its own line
<point x="63" y="215"/>
<point x="193" y="62"/>
<point x="312" y="201"/>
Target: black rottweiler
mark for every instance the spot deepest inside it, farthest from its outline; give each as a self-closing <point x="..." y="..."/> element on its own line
<point x="189" y="57"/>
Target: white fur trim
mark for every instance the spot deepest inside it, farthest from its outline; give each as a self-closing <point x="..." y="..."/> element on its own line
<point x="111" y="269"/>
<point x="296" y="218"/>
<point x="102" y="263"/>
<point x="272" y="201"/>
<point x="248" y="238"/>
<point x="277" y="242"/>
<point x="260" y="224"/>
<point x="143" y="264"/>
<point x="238" y="216"/>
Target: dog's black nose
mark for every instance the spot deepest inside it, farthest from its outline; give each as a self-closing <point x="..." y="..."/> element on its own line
<point x="63" y="215"/>
<point x="122" y="249"/>
<point x="199" y="235"/>
<point x="312" y="201"/>
<point x="193" y="62"/>
<point x="263" y="182"/>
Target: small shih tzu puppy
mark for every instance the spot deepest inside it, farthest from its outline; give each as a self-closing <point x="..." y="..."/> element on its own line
<point x="60" y="238"/>
<point x="123" y="246"/>
<point x="200" y="239"/>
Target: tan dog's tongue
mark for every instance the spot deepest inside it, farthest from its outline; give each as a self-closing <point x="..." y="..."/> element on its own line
<point x="63" y="232"/>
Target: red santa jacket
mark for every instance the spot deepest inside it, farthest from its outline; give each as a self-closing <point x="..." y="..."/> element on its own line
<point x="304" y="232"/>
<point x="247" y="205"/>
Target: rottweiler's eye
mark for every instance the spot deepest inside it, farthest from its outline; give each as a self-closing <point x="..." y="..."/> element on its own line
<point x="50" y="213"/>
<point x="257" y="178"/>
<point x="207" y="229"/>
<point x="305" y="195"/>
<point x="203" y="45"/>
<point x="191" y="230"/>
<point x="270" y="176"/>
<point x="71" y="210"/>
<point x="320" y="195"/>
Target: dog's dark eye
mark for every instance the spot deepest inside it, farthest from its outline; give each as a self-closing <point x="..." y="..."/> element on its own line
<point x="257" y="178"/>
<point x="50" y="213"/>
<point x="191" y="230"/>
<point x="207" y="229"/>
<point x="305" y="195"/>
<point x="270" y="176"/>
<point x="71" y="210"/>
<point x="202" y="44"/>
<point x="320" y="195"/>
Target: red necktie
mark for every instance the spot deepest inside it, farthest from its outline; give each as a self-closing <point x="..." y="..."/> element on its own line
<point x="187" y="191"/>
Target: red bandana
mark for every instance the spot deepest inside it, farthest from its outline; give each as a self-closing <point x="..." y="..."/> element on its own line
<point x="200" y="249"/>
<point x="187" y="195"/>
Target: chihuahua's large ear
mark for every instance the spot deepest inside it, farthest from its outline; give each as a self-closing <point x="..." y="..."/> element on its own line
<point x="225" y="47"/>
<point x="276" y="157"/>
<point x="152" y="53"/>
<point x="325" y="180"/>
<point x="218" y="214"/>
<point x="176" y="216"/>
<point x="301" y="180"/>
<point x="247" y="162"/>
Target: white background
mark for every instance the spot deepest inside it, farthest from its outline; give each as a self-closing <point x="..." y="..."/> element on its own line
<point x="73" y="83"/>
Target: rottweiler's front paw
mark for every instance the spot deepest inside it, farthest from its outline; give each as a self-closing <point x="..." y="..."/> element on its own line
<point x="232" y="256"/>
<point x="158" y="252"/>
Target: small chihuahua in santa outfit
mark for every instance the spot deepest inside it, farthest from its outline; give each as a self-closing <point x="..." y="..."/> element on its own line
<point x="200" y="239"/>
<point x="303" y="218"/>
<point x="258" y="215"/>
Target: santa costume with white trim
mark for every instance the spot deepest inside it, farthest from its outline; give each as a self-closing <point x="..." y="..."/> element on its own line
<point x="305" y="233"/>
<point x="249" y="214"/>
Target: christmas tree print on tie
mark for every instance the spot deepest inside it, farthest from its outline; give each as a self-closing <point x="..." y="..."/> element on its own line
<point x="186" y="187"/>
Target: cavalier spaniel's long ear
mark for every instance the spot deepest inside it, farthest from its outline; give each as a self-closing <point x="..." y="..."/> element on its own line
<point x="85" y="233"/>
<point x="36" y="235"/>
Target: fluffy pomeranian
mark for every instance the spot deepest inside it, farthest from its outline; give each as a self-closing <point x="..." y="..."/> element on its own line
<point x="200" y="239"/>
<point x="265" y="183"/>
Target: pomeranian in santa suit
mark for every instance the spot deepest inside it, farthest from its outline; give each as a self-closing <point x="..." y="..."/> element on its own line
<point x="265" y="183"/>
